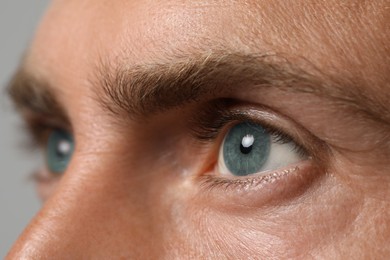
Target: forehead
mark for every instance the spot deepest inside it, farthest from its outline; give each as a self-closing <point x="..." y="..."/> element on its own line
<point x="76" y="34"/>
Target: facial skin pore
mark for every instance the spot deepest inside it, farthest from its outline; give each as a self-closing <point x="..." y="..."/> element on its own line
<point x="133" y="80"/>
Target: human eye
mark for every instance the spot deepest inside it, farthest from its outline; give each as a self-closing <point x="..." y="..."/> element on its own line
<point x="256" y="150"/>
<point x="249" y="148"/>
<point x="54" y="140"/>
<point x="59" y="150"/>
<point x="56" y="143"/>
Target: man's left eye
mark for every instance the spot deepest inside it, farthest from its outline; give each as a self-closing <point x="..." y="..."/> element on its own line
<point x="249" y="148"/>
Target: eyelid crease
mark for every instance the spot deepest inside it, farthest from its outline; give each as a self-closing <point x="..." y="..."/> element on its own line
<point x="214" y="117"/>
<point x="38" y="127"/>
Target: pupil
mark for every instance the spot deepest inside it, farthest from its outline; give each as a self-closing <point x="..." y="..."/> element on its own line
<point x="247" y="144"/>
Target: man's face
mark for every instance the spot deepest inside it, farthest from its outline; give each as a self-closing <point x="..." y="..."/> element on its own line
<point x="209" y="129"/>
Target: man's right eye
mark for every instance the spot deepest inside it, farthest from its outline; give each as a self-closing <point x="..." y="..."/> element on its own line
<point x="59" y="150"/>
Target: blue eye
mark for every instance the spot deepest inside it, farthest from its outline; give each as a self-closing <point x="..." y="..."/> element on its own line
<point x="59" y="151"/>
<point x="249" y="148"/>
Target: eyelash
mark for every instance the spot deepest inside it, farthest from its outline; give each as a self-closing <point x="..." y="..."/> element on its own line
<point x="209" y="124"/>
<point x="213" y="121"/>
<point x="216" y="119"/>
<point x="36" y="133"/>
<point x="38" y="127"/>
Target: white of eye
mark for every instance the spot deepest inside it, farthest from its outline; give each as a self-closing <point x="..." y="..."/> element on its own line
<point x="281" y="155"/>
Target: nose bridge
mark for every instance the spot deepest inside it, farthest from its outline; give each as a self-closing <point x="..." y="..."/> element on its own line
<point x="91" y="213"/>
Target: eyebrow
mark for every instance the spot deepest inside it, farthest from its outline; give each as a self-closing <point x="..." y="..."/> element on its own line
<point x="34" y="95"/>
<point x="142" y="90"/>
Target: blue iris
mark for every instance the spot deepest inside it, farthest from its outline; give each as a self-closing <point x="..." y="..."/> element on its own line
<point x="246" y="149"/>
<point x="59" y="150"/>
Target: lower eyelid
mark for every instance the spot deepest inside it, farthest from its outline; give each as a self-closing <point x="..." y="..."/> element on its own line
<point x="265" y="189"/>
<point x="45" y="183"/>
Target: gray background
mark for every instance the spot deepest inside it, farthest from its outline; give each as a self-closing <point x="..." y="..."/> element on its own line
<point x="18" y="202"/>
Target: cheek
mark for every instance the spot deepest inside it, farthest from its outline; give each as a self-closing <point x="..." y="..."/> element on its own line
<point x="45" y="183"/>
<point x="307" y="226"/>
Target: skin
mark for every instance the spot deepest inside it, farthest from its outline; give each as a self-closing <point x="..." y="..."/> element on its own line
<point x="130" y="191"/>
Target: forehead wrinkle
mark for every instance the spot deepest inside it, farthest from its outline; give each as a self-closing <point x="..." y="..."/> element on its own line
<point x="142" y="90"/>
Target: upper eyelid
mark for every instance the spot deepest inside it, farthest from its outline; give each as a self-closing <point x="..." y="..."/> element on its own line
<point x="39" y="126"/>
<point x="203" y="127"/>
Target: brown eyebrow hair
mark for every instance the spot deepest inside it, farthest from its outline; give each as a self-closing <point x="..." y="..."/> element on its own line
<point x="33" y="95"/>
<point x="141" y="90"/>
